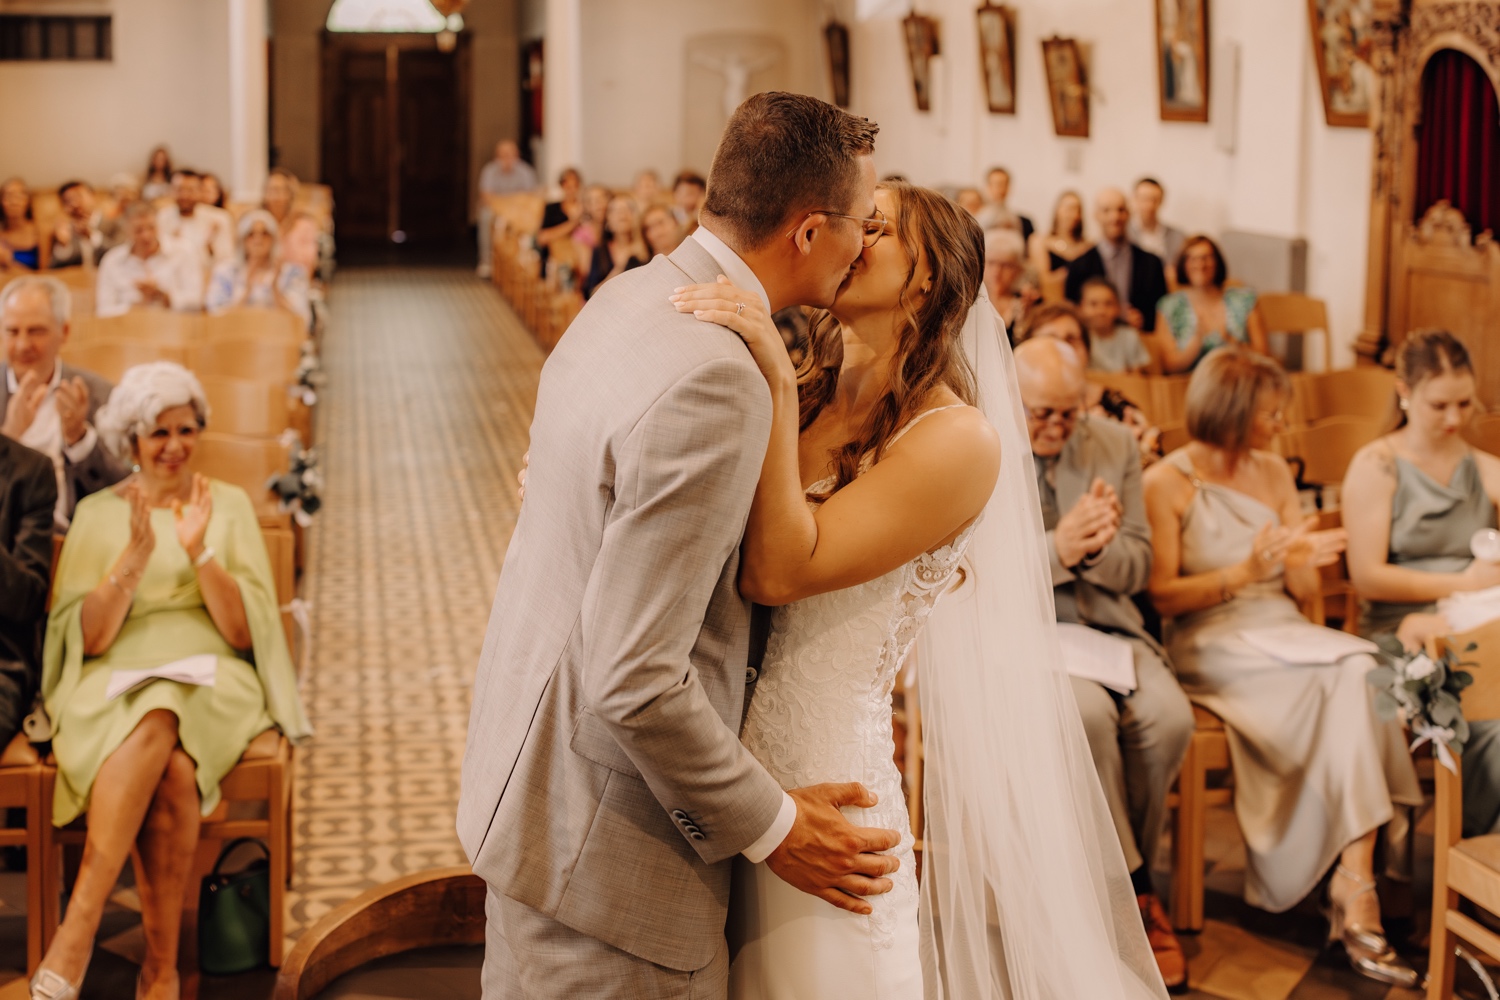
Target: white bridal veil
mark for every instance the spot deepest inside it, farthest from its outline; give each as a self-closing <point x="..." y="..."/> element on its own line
<point x="1025" y="895"/>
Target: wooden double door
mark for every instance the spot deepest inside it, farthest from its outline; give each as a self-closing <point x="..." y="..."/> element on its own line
<point x="396" y="136"/>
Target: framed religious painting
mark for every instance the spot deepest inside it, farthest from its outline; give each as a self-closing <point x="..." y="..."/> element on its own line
<point x="921" y="34"/>
<point x="1067" y="85"/>
<point x="1182" y="59"/>
<point x="997" y="56"/>
<point x="836" y="39"/>
<point x="1341" y="48"/>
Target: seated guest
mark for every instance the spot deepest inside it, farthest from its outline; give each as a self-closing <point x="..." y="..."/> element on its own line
<point x="211" y="191"/>
<point x="1146" y="228"/>
<point x="28" y="494"/>
<point x="687" y="199"/>
<point x="1005" y="277"/>
<point x="506" y="174"/>
<point x="1412" y="501"/>
<point x="970" y="200"/>
<point x="257" y="277"/>
<point x="646" y="190"/>
<point x="660" y="229"/>
<point x="561" y="217"/>
<point x="621" y="248"/>
<point x="1089" y="478"/>
<point x="108" y="222"/>
<point x="279" y="194"/>
<point x="1316" y="772"/>
<point x="47" y="405"/>
<point x="170" y="565"/>
<point x="1140" y="273"/>
<point x="143" y="273"/>
<point x="1114" y="346"/>
<point x="1061" y="321"/>
<point x="589" y="232"/>
<point x="1203" y="314"/>
<point x="158" y="180"/>
<point x="996" y="214"/>
<point x="74" y="241"/>
<point x="21" y="245"/>
<point x="1052" y="252"/>
<point x="189" y="225"/>
<point x="302" y="242"/>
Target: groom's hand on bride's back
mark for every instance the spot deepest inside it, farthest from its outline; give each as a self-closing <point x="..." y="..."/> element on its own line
<point x="827" y="856"/>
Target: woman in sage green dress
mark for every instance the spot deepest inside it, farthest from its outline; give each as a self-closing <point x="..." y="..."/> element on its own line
<point x="166" y="566"/>
<point x="1412" y="502"/>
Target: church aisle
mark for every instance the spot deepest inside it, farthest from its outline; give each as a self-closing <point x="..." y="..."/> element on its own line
<point x="431" y="384"/>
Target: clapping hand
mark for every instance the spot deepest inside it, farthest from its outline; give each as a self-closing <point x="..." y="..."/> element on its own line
<point x="192" y="519"/>
<point x="1089" y="526"/>
<point x="1277" y="546"/>
<point x="73" y="409"/>
<point x="745" y="314"/>
<point x="20" y="412"/>
<point x="132" y="562"/>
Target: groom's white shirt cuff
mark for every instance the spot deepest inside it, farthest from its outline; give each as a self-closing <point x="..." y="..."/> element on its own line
<point x="739" y="273"/>
<point x="772" y="838"/>
<point x="735" y="269"/>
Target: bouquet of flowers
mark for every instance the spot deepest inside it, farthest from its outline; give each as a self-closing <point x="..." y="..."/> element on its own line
<point x="299" y="488"/>
<point x="1425" y="694"/>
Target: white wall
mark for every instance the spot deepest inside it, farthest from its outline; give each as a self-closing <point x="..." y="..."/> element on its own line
<point x="168" y="83"/>
<point x="1291" y="175"/>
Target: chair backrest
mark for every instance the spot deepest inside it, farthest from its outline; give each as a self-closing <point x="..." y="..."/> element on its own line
<point x="159" y="325"/>
<point x="1482" y="700"/>
<point x="246" y="408"/>
<point x="109" y="358"/>
<point x="268" y="360"/>
<point x="246" y="462"/>
<point x="1168" y="405"/>
<point x="1484" y="433"/>
<point x="1136" y="388"/>
<point x="1326" y="447"/>
<point x="1292" y="313"/>
<point x="522" y="213"/>
<point x="1367" y="392"/>
<point x="255" y="324"/>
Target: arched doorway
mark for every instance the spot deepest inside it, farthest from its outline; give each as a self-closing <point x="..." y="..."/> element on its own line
<point x="395" y="138"/>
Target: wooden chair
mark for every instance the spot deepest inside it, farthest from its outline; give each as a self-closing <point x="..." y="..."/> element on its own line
<point x="1207" y="758"/>
<point x="246" y="462"/>
<point x="110" y="358"/>
<point x="1327" y="446"/>
<point x="245" y="408"/>
<point x="264" y="360"/>
<point x="1136" y="388"/>
<point x="153" y="325"/>
<point x="1484" y="433"/>
<point x="1168" y="404"/>
<point x="1297" y="315"/>
<point x="1464" y="867"/>
<point x="253" y="324"/>
<point x="1368" y="392"/>
<point x="21" y="789"/>
<point x="444" y="906"/>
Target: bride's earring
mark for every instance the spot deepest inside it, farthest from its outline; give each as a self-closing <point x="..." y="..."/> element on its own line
<point x="1403" y="402"/>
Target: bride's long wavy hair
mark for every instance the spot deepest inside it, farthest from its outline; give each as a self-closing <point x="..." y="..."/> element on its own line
<point x="928" y="353"/>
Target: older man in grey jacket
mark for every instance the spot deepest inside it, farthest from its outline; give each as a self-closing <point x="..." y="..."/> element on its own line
<point x="1089" y="478"/>
<point x="46" y="405"/>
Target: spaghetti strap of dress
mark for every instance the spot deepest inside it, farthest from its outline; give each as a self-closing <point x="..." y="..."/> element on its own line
<point x="914" y="421"/>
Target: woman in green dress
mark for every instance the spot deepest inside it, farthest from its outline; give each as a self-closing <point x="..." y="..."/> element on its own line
<point x="1412" y="502"/>
<point x="166" y="566"/>
<point x="1205" y="314"/>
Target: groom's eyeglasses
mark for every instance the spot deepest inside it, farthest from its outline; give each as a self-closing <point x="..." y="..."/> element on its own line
<point x="874" y="226"/>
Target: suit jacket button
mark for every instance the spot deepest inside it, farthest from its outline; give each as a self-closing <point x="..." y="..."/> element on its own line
<point x="750" y="675"/>
<point x="679" y="815"/>
<point x="696" y="835"/>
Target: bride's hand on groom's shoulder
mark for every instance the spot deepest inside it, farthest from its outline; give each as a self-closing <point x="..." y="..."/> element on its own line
<point x="826" y="856"/>
<point x="742" y="312"/>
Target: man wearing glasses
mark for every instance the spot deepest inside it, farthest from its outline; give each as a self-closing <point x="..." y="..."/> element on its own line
<point x="1089" y="481"/>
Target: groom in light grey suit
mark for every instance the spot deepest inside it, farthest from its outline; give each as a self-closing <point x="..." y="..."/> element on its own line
<point x="605" y="789"/>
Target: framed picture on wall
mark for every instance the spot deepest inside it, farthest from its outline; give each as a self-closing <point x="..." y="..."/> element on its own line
<point x="1068" y="86"/>
<point x="1341" y="48"/>
<point x="997" y="56"/>
<point x="921" y="45"/>
<point x="836" y="38"/>
<point x="1182" y="59"/>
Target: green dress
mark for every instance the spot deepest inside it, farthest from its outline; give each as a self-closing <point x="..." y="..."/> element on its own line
<point x="167" y="621"/>
<point x="1431" y="524"/>
<point x="1182" y="321"/>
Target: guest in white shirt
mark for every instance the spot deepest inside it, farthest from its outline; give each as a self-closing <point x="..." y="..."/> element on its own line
<point x="506" y="174"/>
<point x="1147" y="231"/>
<point x="187" y="224"/>
<point x="46" y="405"/>
<point x="144" y="273"/>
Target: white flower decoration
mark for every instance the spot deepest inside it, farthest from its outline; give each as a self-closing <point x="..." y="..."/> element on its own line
<point x="1419" y="667"/>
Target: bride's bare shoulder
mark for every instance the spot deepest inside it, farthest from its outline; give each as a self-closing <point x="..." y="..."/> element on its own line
<point x="955" y="434"/>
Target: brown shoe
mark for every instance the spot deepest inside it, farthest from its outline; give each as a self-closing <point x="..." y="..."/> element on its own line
<point x="1165" y="947"/>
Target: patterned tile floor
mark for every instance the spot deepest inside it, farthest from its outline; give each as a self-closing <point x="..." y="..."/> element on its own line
<point x="431" y="386"/>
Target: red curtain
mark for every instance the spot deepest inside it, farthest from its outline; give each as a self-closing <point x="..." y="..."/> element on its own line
<point x="1458" y="143"/>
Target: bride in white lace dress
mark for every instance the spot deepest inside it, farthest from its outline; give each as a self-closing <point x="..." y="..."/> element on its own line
<point x="879" y="469"/>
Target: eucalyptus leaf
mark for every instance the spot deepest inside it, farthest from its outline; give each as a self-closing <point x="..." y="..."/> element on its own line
<point x="1385" y="706"/>
<point x="1381" y="677"/>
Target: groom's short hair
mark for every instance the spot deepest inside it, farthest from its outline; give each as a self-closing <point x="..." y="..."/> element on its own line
<point x="782" y="154"/>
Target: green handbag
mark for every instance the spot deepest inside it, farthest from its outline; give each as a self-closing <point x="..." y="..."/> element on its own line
<point x="234" y="914"/>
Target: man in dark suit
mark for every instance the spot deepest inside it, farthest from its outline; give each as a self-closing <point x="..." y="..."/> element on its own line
<point x="1127" y="266"/>
<point x="47" y="405"/>
<point x="28" y="493"/>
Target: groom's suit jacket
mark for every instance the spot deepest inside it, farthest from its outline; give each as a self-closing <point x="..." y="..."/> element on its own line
<point x="604" y="783"/>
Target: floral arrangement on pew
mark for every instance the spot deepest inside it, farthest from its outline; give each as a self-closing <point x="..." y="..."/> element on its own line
<point x="299" y="488"/>
<point x="1425" y="692"/>
<point x="309" y="376"/>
